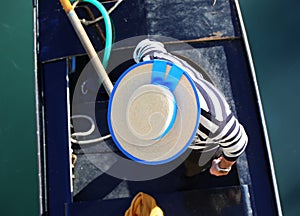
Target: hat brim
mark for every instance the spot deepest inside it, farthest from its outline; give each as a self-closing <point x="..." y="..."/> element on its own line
<point x="180" y="136"/>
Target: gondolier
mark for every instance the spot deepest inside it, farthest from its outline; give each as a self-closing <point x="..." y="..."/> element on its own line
<point x="218" y="126"/>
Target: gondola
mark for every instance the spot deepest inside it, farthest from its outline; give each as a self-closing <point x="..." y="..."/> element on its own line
<point x="76" y="176"/>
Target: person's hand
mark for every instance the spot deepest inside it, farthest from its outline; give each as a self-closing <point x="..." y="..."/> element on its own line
<point x="220" y="163"/>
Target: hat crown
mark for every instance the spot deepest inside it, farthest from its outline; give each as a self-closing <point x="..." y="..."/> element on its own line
<point x="151" y="112"/>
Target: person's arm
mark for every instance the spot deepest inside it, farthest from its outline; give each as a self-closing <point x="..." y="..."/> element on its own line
<point x="233" y="140"/>
<point x="220" y="166"/>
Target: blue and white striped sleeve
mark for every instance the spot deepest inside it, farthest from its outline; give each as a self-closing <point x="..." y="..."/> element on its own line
<point x="233" y="139"/>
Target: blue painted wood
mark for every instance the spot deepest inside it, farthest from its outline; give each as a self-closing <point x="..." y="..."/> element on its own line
<point x="190" y="19"/>
<point x="247" y="108"/>
<point x="57" y="140"/>
<point x="183" y="20"/>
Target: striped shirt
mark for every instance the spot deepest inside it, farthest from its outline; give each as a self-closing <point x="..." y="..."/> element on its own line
<point x="218" y="126"/>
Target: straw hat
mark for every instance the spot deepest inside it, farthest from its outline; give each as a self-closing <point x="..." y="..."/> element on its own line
<point x="153" y="112"/>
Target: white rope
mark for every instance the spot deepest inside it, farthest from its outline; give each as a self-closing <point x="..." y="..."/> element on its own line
<point x="83" y="142"/>
<point x="86" y="133"/>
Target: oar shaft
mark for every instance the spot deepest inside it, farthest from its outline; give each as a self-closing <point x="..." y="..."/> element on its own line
<point x="85" y="41"/>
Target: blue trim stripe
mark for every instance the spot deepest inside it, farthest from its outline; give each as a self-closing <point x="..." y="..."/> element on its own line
<point x="159" y="71"/>
<point x="171" y="122"/>
<point x="173" y="77"/>
<point x="171" y="81"/>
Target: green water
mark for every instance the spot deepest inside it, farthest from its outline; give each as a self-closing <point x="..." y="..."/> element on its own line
<point x="18" y="161"/>
<point x="273" y="30"/>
